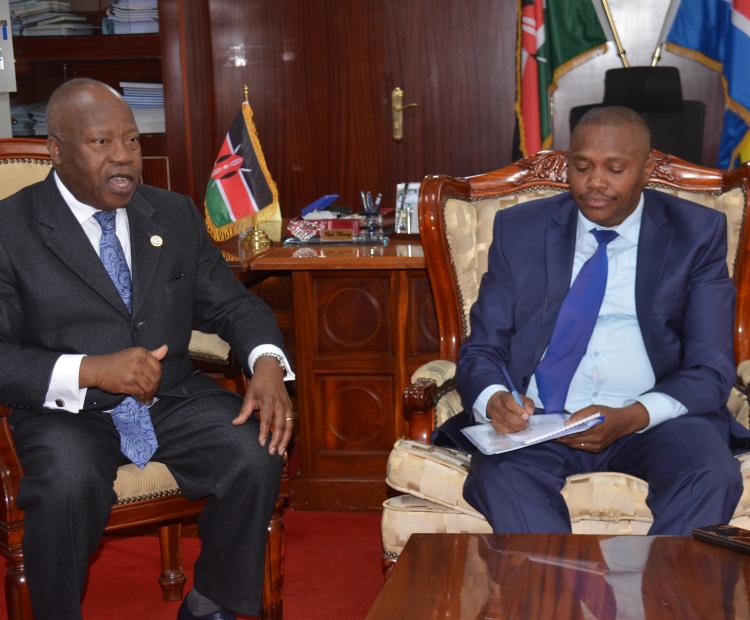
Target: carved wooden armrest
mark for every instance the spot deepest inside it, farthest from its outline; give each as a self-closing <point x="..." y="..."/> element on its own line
<point x="429" y="384"/>
<point x="11" y="518"/>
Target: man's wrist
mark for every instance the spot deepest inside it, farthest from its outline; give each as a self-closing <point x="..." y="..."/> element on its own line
<point x="269" y="360"/>
<point x="639" y="415"/>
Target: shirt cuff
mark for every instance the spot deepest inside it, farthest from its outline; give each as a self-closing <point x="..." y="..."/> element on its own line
<point x="480" y="404"/>
<point x="63" y="393"/>
<point x="660" y="407"/>
<point x="262" y="349"/>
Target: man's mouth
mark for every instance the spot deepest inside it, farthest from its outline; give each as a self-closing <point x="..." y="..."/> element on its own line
<point x="596" y="200"/>
<point x="121" y="183"/>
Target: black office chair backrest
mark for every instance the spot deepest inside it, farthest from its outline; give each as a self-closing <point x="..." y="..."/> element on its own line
<point x="656" y="93"/>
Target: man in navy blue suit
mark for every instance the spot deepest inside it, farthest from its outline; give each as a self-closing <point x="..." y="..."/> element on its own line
<point x="658" y="363"/>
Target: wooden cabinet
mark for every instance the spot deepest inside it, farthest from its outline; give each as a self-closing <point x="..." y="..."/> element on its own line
<point x="363" y="321"/>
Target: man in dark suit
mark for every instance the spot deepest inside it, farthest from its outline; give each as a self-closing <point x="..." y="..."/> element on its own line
<point x="95" y="363"/>
<point x="655" y="358"/>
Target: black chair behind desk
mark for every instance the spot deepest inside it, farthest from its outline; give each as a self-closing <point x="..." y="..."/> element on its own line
<point x="656" y="93"/>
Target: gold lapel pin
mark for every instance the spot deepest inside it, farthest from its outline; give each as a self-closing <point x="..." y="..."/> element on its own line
<point x="157" y="241"/>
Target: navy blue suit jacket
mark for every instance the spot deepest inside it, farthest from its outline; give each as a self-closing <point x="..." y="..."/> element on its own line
<point x="684" y="298"/>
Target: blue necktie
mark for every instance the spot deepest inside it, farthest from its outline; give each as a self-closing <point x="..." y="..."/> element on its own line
<point x="131" y="417"/>
<point x="574" y="327"/>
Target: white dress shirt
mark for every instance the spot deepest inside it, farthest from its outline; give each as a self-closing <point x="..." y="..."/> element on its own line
<point x="63" y="392"/>
<point x="615" y="370"/>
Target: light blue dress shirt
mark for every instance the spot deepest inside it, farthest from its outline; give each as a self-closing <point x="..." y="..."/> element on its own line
<point x="615" y="370"/>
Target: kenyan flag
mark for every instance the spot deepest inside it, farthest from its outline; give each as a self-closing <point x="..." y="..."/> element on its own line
<point x="553" y="37"/>
<point x="240" y="184"/>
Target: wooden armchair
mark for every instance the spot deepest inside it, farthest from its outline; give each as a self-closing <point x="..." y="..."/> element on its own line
<point x="456" y="217"/>
<point x="148" y="497"/>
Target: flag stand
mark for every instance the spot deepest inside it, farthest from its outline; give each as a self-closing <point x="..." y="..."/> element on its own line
<point x="611" y="20"/>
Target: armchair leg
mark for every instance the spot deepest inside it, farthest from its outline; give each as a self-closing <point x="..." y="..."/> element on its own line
<point x="17" y="597"/>
<point x="172" y="578"/>
<point x="273" y="571"/>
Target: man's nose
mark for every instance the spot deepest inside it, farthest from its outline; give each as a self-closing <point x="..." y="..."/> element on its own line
<point x="120" y="153"/>
<point x="596" y="180"/>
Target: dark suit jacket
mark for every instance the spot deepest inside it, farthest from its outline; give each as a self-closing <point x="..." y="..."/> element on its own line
<point x="56" y="297"/>
<point x="684" y="298"/>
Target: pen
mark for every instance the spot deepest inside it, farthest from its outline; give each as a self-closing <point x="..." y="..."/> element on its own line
<point x="511" y="387"/>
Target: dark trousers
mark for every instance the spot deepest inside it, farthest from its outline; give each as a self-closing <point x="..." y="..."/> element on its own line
<point x="70" y="463"/>
<point x="694" y="479"/>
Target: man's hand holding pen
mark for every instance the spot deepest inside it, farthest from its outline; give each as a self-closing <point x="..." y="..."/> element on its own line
<point x="506" y="415"/>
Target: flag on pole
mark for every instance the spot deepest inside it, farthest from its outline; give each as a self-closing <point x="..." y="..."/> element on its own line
<point x="716" y="33"/>
<point x="554" y="36"/>
<point x="240" y="190"/>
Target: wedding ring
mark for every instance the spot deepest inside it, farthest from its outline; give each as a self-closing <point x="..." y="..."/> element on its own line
<point x="288" y="419"/>
<point x="582" y="444"/>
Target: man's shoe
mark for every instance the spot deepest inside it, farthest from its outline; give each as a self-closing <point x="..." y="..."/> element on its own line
<point x="222" y="614"/>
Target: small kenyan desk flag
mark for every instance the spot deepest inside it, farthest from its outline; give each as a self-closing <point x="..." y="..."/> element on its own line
<point x="240" y="188"/>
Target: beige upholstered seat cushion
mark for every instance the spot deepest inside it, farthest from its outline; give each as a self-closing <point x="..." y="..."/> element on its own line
<point x="429" y="472"/>
<point x="134" y="484"/>
<point x="406" y="515"/>
<point x="15" y="174"/>
<point x="209" y="348"/>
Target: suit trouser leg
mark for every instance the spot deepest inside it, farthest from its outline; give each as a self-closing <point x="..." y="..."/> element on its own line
<point x="694" y="479"/>
<point x="210" y="457"/>
<point x="519" y="492"/>
<point x="70" y="463"/>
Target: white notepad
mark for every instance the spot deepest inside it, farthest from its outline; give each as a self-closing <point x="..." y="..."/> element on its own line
<point x="542" y="427"/>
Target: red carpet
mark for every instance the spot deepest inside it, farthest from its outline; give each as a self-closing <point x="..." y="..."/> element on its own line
<point x="332" y="571"/>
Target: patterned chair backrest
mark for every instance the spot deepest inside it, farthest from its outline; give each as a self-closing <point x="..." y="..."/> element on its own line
<point x="457" y="215"/>
<point x="23" y="161"/>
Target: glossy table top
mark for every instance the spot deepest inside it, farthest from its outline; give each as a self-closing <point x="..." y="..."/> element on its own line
<point x="564" y="576"/>
<point x="398" y="254"/>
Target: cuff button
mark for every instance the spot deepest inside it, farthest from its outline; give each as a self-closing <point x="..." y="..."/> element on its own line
<point x="60" y="402"/>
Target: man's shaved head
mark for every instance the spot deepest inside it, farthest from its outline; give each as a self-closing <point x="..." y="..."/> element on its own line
<point x="63" y="98"/>
<point x="616" y="116"/>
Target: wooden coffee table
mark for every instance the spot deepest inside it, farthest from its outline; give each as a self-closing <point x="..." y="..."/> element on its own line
<point x="564" y="576"/>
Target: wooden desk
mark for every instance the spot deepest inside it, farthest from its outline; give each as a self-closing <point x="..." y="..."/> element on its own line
<point x="564" y="576"/>
<point x="361" y="321"/>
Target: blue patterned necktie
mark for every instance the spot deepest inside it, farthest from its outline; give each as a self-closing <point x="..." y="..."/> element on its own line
<point x="574" y="327"/>
<point x="131" y="417"/>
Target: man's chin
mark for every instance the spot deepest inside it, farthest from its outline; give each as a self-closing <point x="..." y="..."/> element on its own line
<point x="115" y="200"/>
<point x="595" y="213"/>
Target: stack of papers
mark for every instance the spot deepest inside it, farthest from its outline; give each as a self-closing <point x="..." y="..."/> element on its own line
<point x="28" y="119"/>
<point x="39" y="116"/>
<point x="43" y="18"/>
<point x="147" y="102"/>
<point x="20" y="119"/>
<point x="131" y="17"/>
<point x="542" y="427"/>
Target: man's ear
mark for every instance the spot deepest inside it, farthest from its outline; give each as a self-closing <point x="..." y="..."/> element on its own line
<point x="54" y="147"/>
<point x="648" y="167"/>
